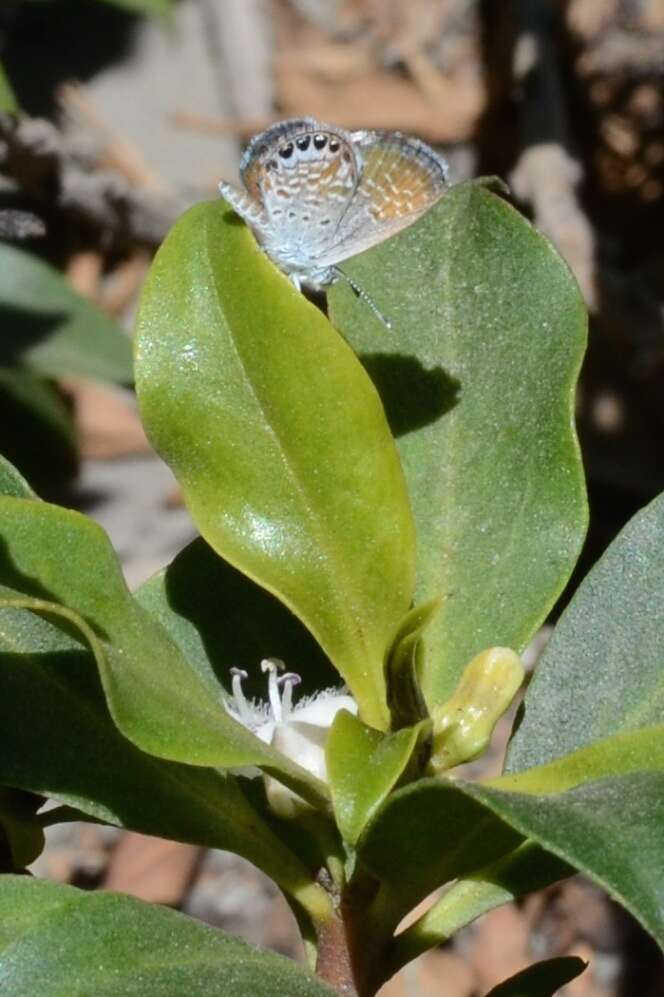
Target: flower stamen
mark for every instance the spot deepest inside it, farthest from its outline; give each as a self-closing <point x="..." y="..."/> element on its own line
<point x="273" y="666"/>
<point x="239" y="697"/>
<point x="288" y="682"/>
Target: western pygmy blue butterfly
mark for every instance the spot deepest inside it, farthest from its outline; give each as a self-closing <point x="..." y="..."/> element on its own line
<point x="316" y="195"/>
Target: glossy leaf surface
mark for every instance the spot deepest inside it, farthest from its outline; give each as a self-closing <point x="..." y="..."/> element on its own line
<point x="477" y="376"/>
<point x="62" y="942"/>
<point x="602" y="672"/>
<point x="279" y="441"/>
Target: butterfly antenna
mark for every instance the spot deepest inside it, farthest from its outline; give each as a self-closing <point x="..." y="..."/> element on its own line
<point x="363" y="296"/>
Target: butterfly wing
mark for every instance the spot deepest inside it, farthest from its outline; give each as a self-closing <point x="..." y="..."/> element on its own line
<point x="400" y="179"/>
<point x="304" y="174"/>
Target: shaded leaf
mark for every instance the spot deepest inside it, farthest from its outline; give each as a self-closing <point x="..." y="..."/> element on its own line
<point x="21" y="835"/>
<point x="610" y="829"/>
<point x="151" y="7"/>
<point x="403" y="667"/>
<point x="37" y="432"/>
<point x="521" y="871"/>
<point x="544" y="979"/>
<point x="8" y="101"/>
<point x="429" y="833"/>
<point x="50" y="329"/>
<point x="220" y="619"/>
<point x="279" y="441"/>
<point x="61" y="942"/>
<point x="477" y="375"/>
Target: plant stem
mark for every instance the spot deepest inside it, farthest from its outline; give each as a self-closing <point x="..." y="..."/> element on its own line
<point x="334" y="963"/>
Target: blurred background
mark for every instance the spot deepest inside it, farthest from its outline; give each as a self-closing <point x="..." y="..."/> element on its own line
<point x="116" y="115"/>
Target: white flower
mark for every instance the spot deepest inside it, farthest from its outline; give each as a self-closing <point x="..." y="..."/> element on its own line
<point x="298" y="731"/>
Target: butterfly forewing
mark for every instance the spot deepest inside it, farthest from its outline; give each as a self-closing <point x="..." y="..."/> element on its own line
<point x="400" y="179"/>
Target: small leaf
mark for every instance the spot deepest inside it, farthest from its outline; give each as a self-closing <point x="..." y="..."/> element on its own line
<point x="602" y="672"/>
<point x="481" y="306"/>
<point x="62" y="942"/>
<point x="363" y="766"/>
<point x="279" y="441"/>
<point x="50" y="329"/>
<point x="8" y="103"/>
<point x="13" y="483"/>
<point x="154" y="8"/>
<point x="544" y="979"/>
<point x="402" y="668"/>
<point x="632" y="751"/>
<point x="521" y="871"/>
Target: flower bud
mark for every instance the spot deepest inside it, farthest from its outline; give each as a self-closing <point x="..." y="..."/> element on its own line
<point x="462" y="727"/>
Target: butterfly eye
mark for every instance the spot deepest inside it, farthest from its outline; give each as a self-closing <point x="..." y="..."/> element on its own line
<point x="304" y="143"/>
<point x="320" y="141"/>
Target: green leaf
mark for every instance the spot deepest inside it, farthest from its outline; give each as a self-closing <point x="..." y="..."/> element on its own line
<point x="220" y="619"/>
<point x="602" y="672"/>
<point x="521" y="871"/>
<point x="610" y="829"/>
<point x="149" y="686"/>
<point x="632" y="751"/>
<point x="429" y="833"/>
<point x="279" y="441"/>
<point x="62" y="942"/>
<point x="363" y="766"/>
<point x="50" y="329"/>
<point x="151" y="7"/>
<point x="8" y="102"/>
<point x="544" y="979"/>
<point x="37" y="432"/>
<point x="59" y="740"/>
<point x="13" y="483"/>
<point x="477" y="375"/>
<point x="403" y="667"/>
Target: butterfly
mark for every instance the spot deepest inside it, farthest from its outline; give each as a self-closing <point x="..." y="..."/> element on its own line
<point x="316" y="195"/>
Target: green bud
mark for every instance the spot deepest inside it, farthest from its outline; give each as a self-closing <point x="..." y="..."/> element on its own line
<point x="462" y="727"/>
